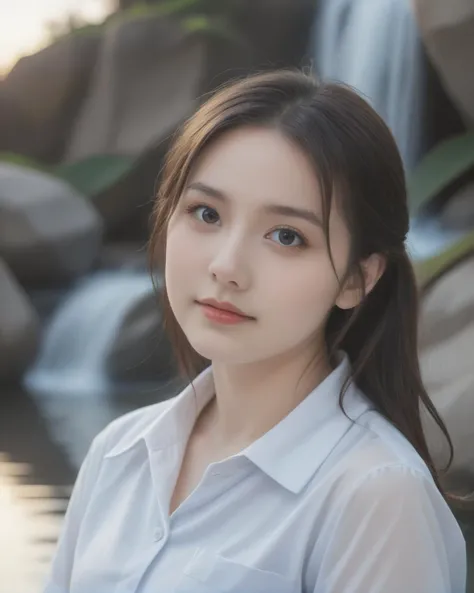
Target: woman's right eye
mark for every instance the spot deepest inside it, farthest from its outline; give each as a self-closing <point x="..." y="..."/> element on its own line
<point x="204" y="213"/>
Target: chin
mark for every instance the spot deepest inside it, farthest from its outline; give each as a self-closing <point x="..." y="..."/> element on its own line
<point x="223" y="349"/>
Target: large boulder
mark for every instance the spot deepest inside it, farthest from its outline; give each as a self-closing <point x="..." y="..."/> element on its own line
<point x="47" y="89"/>
<point x="447" y="30"/>
<point x="19" y="328"/>
<point x="48" y="232"/>
<point x="141" y="351"/>
<point x="447" y="362"/>
<point x="145" y="82"/>
<point x="15" y="131"/>
<point x="458" y="214"/>
<point x="278" y="30"/>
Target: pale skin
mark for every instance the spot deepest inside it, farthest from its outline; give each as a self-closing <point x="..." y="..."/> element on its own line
<point x="241" y="244"/>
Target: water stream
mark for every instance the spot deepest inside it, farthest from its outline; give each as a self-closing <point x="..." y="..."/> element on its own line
<point x="374" y="46"/>
<point x="81" y="332"/>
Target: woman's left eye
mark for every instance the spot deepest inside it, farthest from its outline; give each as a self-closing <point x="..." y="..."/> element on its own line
<point x="288" y="238"/>
<point x="203" y="213"/>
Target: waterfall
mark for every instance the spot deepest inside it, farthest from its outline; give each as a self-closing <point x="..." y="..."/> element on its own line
<point x="374" y="46"/>
<point x="80" y="335"/>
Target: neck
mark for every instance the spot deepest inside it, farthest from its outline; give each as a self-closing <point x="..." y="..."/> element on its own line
<point x="252" y="398"/>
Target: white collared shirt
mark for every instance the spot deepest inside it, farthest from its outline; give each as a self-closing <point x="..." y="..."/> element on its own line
<point x="319" y="504"/>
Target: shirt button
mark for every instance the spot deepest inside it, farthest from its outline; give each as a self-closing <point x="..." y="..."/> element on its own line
<point x="158" y="534"/>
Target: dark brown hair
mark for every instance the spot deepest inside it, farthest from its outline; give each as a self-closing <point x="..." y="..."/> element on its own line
<point x="354" y="153"/>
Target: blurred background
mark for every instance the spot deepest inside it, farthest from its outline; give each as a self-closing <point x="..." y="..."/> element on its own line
<point x="91" y="91"/>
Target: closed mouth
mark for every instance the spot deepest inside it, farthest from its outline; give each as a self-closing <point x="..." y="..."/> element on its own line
<point x="227" y="308"/>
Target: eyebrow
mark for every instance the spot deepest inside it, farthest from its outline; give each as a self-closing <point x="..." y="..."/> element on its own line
<point x="282" y="209"/>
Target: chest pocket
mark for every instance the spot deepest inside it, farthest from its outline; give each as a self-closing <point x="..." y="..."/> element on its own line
<point x="208" y="572"/>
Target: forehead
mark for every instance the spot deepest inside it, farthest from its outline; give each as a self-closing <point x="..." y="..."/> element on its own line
<point x="259" y="164"/>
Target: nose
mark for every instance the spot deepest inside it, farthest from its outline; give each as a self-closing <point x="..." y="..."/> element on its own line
<point x="229" y="265"/>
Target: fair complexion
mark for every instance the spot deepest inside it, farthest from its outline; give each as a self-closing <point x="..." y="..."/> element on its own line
<point x="247" y="230"/>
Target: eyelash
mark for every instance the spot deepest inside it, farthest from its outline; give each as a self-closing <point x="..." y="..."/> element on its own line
<point x="192" y="208"/>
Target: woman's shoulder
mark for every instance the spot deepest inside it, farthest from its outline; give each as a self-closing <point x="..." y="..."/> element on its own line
<point x="390" y="447"/>
<point x="373" y="441"/>
<point x="375" y="447"/>
<point x="376" y="466"/>
<point x="374" y="451"/>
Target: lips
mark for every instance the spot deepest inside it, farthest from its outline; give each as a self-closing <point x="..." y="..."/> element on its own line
<point x="224" y="306"/>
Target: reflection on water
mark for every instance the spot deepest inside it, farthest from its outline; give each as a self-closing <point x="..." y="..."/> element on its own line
<point x="30" y="519"/>
<point x="43" y="440"/>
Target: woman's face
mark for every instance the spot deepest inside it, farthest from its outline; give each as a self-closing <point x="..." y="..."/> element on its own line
<point x="248" y="231"/>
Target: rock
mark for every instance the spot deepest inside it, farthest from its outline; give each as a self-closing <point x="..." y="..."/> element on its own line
<point x="447" y="30"/>
<point x="19" y="328"/>
<point x="48" y="232"/>
<point x="124" y="255"/>
<point x="145" y="83"/>
<point x="458" y="214"/>
<point x="141" y="350"/>
<point x="278" y="30"/>
<point x="48" y="88"/>
<point x="447" y="363"/>
<point x="15" y="132"/>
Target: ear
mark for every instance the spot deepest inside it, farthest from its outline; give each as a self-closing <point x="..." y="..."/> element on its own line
<point x="353" y="292"/>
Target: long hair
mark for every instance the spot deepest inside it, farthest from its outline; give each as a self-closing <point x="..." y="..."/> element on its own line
<point x="354" y="155"/>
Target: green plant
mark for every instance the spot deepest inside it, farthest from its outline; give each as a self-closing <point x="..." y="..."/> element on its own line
<point x="22" y="161"/>
<point x="93" y="175"/>
<point x="90" y="176"/>
<point x="429" y="269"/>
<point x="196" y="16"/>
<point x="166" y="7"/>
<point x="440" y="169"/>
<point x="72" y="25"/>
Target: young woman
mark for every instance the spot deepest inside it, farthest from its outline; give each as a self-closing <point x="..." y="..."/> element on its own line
<point x="295" y="459"/>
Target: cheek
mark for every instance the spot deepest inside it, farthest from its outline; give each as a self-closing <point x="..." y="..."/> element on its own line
<point x="180" y="255"/>
<point x="179" y="262"/>
<point x="308" y="292"/>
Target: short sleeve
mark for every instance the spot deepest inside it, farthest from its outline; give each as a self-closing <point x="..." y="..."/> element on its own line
<point x="62" y="565"/>
<point x="393" y="533"/>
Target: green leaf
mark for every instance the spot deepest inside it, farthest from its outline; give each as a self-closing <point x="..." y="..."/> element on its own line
<point x="165" y="8"/>
<point x="197" y="23"/>
<point x="215" y="26"/>
<point x="95" y="174"/>
<point x="90" y="29"/>
<point x="439" y="168"/>
<point x="430" y="269"/>
<point x="22" y="161"/>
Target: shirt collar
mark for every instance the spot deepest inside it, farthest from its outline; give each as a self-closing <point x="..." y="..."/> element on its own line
<point x="172" y="421"/>
<point x="293" y="450"/>
<point x="290" y="453"/>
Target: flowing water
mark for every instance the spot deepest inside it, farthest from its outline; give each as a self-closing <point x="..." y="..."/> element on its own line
<point x="81" y="333"/>
<point x="374" y="46"/>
